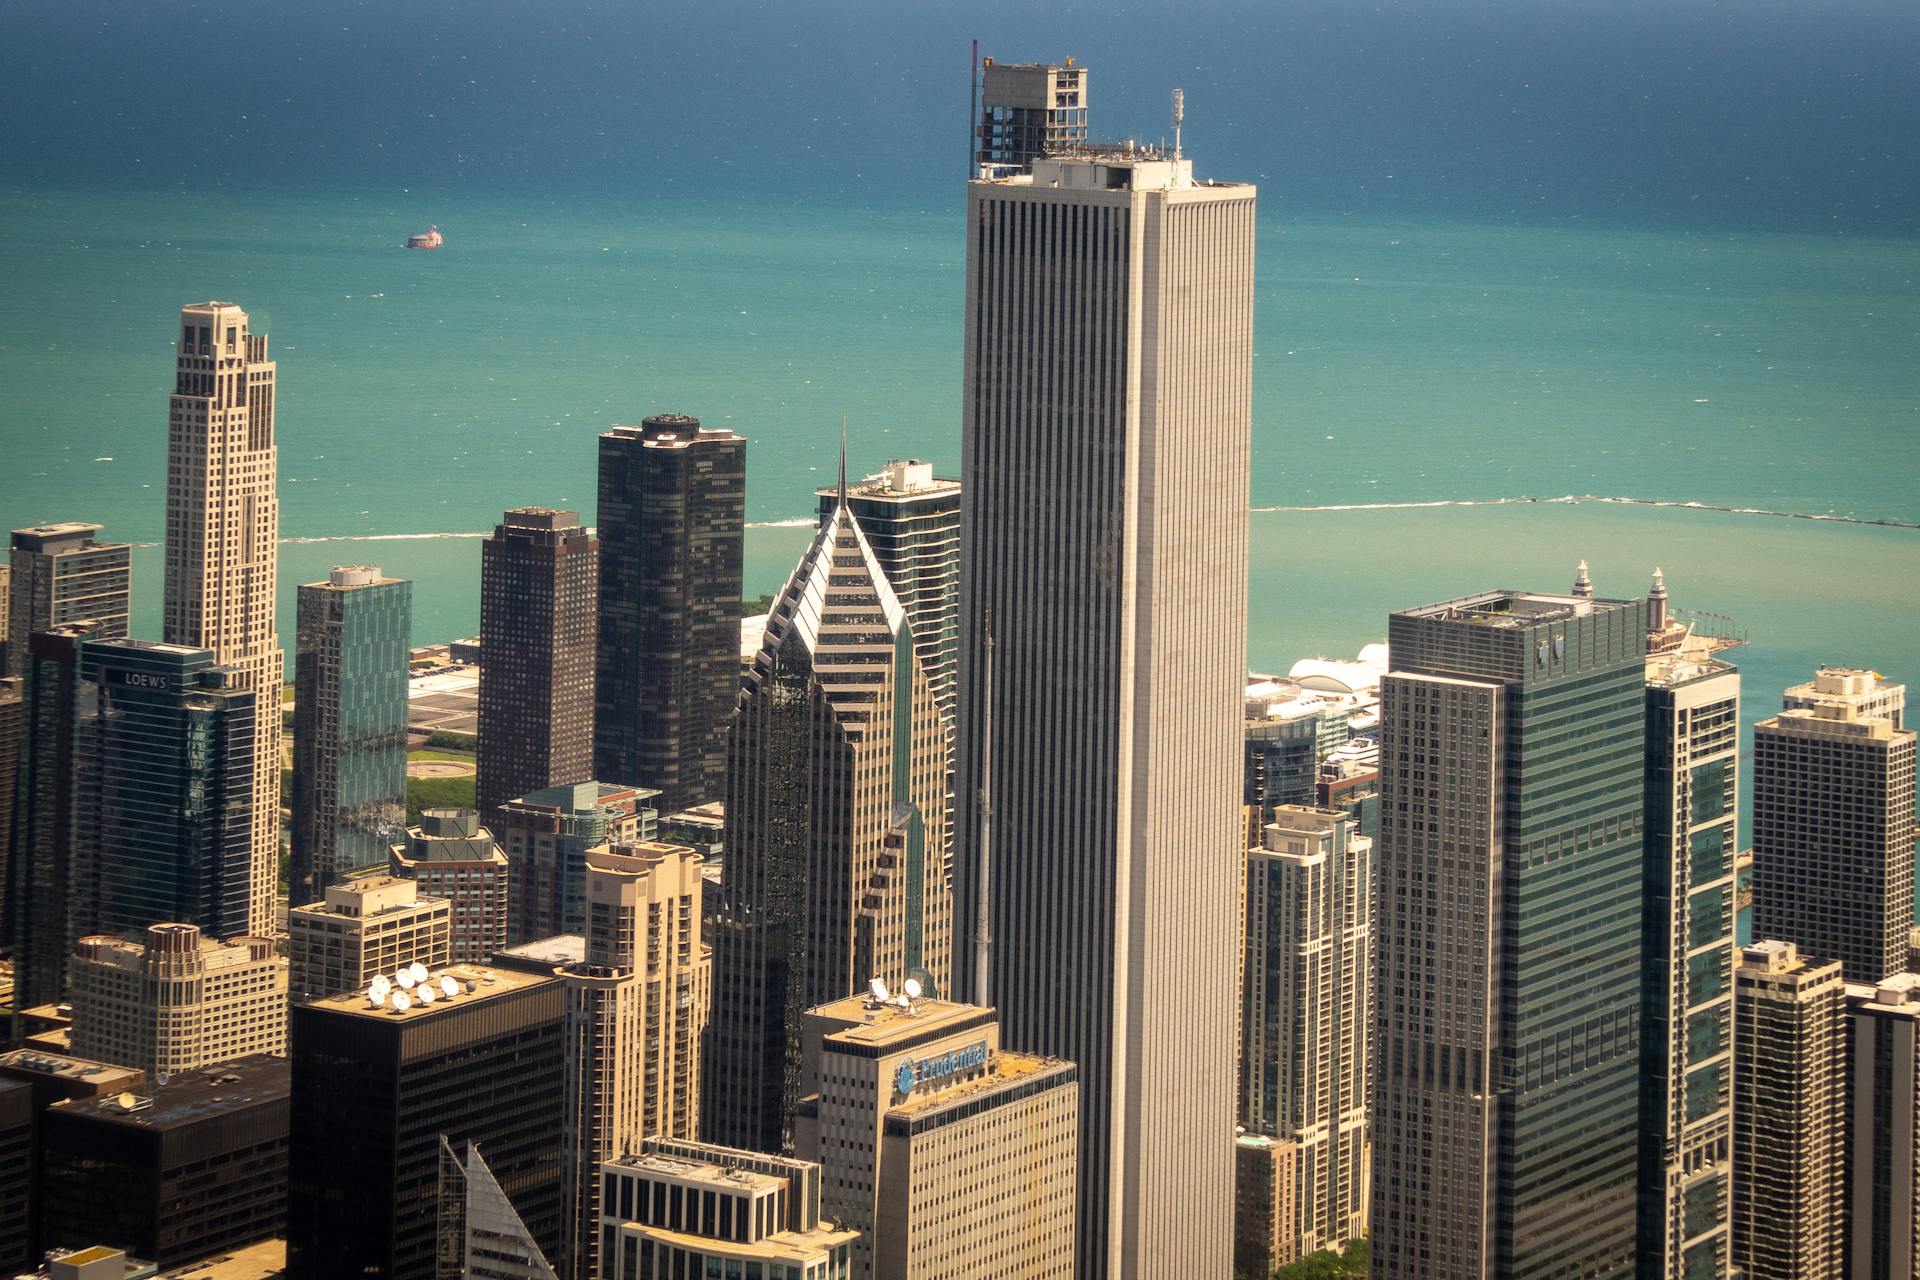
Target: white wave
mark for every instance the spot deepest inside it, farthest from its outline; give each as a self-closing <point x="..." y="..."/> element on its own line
<point x="383" y="537"/>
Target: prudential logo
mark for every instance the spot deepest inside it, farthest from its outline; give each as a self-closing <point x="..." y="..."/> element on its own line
<point x="904" y="1079"/>
<point x="910" y="1075"/>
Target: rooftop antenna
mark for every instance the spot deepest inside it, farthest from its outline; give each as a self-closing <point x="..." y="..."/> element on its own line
<point x="843" y="459"/>
<point x="982" y="924"/>
<point x="1179" y="114"/>
<point x="973" y="114"/>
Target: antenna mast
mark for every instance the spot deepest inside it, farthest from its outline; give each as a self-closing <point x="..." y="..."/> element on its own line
<point x="1179" y="114"/>
<point x="973" y="115"/>
<point x="982" y="927"/>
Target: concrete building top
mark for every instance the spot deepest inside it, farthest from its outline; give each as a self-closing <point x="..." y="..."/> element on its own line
<point x="903" y="479"/>
<point x="1848" y="683"/>
<point x="1771" y="954"/>
<point x="262" y="1260"/>
<point x="419" y="1000"/>
<point x="65" y="535"/>
<point x="191" y="1097"/>
<point x="175" y="939"/>
<point x="367" y="897"/>
<point x="1003" y="1069"/>
<point x="347" y="577"/>
<point x="1508" y="608"/>
<point x="1897" y="993"/>
<point x="1834" y="720"/>
<point x="545" y="954"/>
<point x="541" y="518"/>
<point x="876" y="1026"/>
<point x="670" y="431"/>
<point x="62" y="1067"/>
<point x="1684" y="667"/>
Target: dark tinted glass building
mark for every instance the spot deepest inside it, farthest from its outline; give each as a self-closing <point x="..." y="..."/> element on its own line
<point x="39" y="924"/>
<point x="672" y="511"/>
<point x="1508" y="938"/>
<point x="166" y="808"/>
<point x="176" y="1172"/>
<point x="349" y="725"/>
<point x="376" y="1087"/>
<point x="538" y="576"/>
<point x="16" y="1175"/>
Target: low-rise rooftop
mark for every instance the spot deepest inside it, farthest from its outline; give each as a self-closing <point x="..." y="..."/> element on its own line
<point x="414" y="1001"/>
<point x="890" y="1024"/>
<point x="191" y="1097"/>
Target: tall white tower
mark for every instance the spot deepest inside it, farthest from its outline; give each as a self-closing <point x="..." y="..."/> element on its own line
<point x="222" y="543"/>
<point x="1109" y="343"/>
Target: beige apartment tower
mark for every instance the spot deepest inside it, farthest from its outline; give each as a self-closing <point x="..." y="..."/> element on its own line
<point x="1789" y="1107"/>
<point x="222" y="541"/>
<point x="950" y="1155"/>
<point x="365" y="926"/>
<point x="178" y="1003"/>
<point x="636" y="1009"/>
<point x="1106" y="440"/>
<point x="1306" y="1021"/>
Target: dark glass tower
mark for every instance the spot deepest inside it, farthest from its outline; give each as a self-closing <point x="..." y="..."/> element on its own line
<point x="166" y="800"/>
<point x="39" y="905"/>
<point x="672" y="510"/>
<point x="349" y="725"/>
<point x="1508" y="938"/>
<point x="538" y="575"/>
<point x="836" y="818"/>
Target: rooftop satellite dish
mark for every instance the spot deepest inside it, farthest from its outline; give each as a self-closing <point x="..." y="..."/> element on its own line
<point x="878" y="990"/>
<point x="427" y="993"/>
<point x="126" y="1101"/>
<point x="406" y="979"/>
<point x="913" y="988"/>
<point x="449" y="987"/>
<point x="376" y="998"/>
<point x="400" y="1002"/>
<point x="418" y="970"/>
<point x="380" y="984"/>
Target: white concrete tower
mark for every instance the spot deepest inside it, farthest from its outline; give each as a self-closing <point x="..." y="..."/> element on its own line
<point x="1106" y="442"/>
<point x="222" y="541"/>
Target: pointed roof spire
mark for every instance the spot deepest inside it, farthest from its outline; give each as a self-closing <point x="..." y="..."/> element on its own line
<point x="1657" y="617"/>
<point x="1659" y="582"/>
<point x="843" y="459"/>
<point x="1582" y="585"/>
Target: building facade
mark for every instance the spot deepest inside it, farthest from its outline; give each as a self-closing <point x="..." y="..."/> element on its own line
<point x="948" y="1154"/>
<point x="1789" y="1115"/>
<point x="452" y="857"/>
<point x="546" y="834"/>
<point x="835" y="823"/>
<point x="179" y="1002"/>
<point x="481" y="1233"/>
<point x="676" y="1208"/>
<point x="539" y="575"/>
<point x="1266" y="1220"/>
<point x="1883" y="1139"/>
<point x="1105" y="535"/>
<point x="40" y="902"/>
<point x="377" y="1090"/>
<point x="166" y="827"/>
<point x="1686" y="1034"/>
<point x="1507" y="937"/>
<point x="672" y="514"/>
<point x="175" y="1172"/>
<point x="223" y="540"/>
<point x="637" y="1009"/>
<point x="349" y="725"/>
<point x="1306" y="1020"/>
<point x="1026" y="111"/>
<point x="362" y="927"/>
<point x="1833" y="825"/>
<point x="13" y="741"/>
<point x="62" y="574"/>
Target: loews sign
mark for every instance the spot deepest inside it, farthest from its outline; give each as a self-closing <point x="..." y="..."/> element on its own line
<point x="160" y="681"/>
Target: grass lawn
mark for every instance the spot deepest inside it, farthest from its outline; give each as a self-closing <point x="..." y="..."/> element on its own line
<point x="464" y="757"/>
<point x="437" y="793"/>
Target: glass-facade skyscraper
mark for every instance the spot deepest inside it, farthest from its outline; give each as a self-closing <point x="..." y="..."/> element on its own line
<point x="349" y="725"/>
<point x="1508" y="938"/>
<point x="166" y="790"/>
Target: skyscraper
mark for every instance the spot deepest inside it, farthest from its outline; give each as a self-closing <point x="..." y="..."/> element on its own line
<point x="166" y="825"/>
<point x="63" y="574"/>
<point x="1686" y="1034"/>
<point x="1507" y="936"/>
<point x="13" y="741"/>
<point x="672" y="517"/>
<point x="223" y="533"/>
<point x="349" y="725"/>
<point x="1833" y="794"/>
<point x="1789" y="1115"/>
<point x="538" y="575"/>
<point x="546" y="834"/>
<point x="361" y="928"/>
<point x="378" y="1088"/>
<point x="1883" y="1146"/>
<point x="40" y="877"/>
<point x="637" y="1007"/>
<point x="836" y="817"/>
<point x="1106" y="439"/>
<point x="451" y="856"/>
<point x="1306" y="1024"/>
<point x="1026" y="110"/>
<point x="177" y="1000"/>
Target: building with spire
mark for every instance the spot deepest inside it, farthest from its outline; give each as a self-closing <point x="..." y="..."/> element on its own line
<point x="836" y="819"/>
<point x="223" y="543"/>
<point x="1104" y="480"/>
<point x="672" y="516"/>
<point x="1687" y="949"/>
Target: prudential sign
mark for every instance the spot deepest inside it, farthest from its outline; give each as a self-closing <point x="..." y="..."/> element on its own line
<point x="918" y="1073"/>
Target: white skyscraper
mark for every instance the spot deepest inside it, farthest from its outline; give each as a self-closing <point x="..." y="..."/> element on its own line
<point x="223" y="532"/>
<point x="1106" y="429"/>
